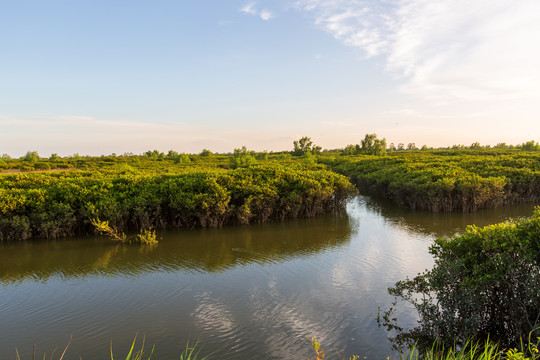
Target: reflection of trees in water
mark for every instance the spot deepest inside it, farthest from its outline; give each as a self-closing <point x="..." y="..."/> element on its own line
<point x="445" y="224"/>
<point x="203" y="250"/>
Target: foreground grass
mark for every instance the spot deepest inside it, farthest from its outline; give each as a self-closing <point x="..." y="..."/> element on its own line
<point x="529" y="350"/>
<point x="191" y="352"/>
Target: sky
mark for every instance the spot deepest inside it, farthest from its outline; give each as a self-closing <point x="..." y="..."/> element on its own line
<point x="101" y="77"/>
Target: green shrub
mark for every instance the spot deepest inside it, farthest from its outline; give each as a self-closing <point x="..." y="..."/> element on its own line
<point x="485" y="284"/>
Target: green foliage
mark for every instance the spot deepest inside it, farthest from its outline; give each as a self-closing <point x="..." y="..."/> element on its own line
<point x="530" y="146"/>
<point x="263" y="155"/>
<point x="206" y="152"/>
<point x="242" y="157"/>
<point x="471" y="350"/>
<point x="154" y="154"/>
<point x="484" y="285"/>
<point x="192" y="351"/>
<point x="31" y="156"/>
<point x="146" y="236"/>
<point x="446" y="180"/>
<point x="181" y="159"/>
<point x="103" y="228"/>
<point x="135" y="354"/>
<point x="371" y="145"/>
<point x="152" y="193"/>
<point x="309" y="158"/>
<point x="349" y="150"/>
<point x="304" y="145"/>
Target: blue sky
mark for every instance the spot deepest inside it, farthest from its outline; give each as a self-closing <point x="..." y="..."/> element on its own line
<point x="96" y="77"/>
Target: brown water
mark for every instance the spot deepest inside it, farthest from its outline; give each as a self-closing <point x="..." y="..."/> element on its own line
<point x="248" y="292"/>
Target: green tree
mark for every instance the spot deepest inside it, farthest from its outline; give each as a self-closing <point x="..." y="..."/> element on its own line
<point x="241" y="158"/>
<point x="172" y="154"/>
<point x="181" y="158"/>
<point x="303" y="146"/>
<point x="530" y="146"/>
<point x="31" y="156"/>
<point x="263" y="155"/>
<point x="411" y="146"/>
<point x="349" y="150"/>
<point x="371" y="145"/>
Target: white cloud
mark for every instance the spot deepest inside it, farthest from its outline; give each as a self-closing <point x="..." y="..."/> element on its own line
<point x="250" y="9"/>
<point x="443" y="50"/>
<point x="266" y="15"/>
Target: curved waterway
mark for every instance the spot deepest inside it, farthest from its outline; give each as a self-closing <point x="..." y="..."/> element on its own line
<point x="247" y="292"/>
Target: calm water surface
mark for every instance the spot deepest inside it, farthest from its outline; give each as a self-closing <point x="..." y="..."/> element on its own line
<point x="248" y="292"/>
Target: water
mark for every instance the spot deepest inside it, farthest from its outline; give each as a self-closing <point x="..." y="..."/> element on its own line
<point x="247" y="292"/>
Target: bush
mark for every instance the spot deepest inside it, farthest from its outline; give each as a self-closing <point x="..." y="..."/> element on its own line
<point x="484" y="285"/>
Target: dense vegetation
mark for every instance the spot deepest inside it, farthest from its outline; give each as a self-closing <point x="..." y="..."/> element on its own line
<point x="136" y="193"/>
<point x="446" y="180"/>
<point x="485" y="284"/>
<point x="59" y="196"/>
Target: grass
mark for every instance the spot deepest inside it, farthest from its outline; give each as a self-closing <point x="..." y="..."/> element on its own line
<point x="528" y="350"/>
<point x="191" y="352"/>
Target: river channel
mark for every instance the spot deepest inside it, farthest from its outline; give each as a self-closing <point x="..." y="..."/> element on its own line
<point x="245" y="292"/>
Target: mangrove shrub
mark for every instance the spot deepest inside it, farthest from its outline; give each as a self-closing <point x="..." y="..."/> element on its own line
<point x="485" y="284"/>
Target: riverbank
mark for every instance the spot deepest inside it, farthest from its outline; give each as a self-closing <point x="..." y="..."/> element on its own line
<point x="58" y="197"/>
<point x="446" y="180"/>
<point x="60" y="204"/>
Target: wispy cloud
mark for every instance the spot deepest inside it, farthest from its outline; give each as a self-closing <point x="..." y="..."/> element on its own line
<point x="251" y="9"/>
<point x="266" y="15"/>
<point x="443" y="50"/>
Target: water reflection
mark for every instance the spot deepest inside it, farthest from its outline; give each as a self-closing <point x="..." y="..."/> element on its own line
<point x="206" y="250"/>
<point x="247" y="292"/>
<point x="442" y="224"/>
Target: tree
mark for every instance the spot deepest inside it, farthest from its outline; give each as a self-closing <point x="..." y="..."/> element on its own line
<point x="411" y="146"/>
<point x="241" y="158"/>
<point x="303" y="146"/>
<point x="154" y="154"/>
<point x="172" y="154"/>
<point x="349" y="150"/>
<point x="31" y="156"/>
<point x="530" y="146"/>
<point x="206" y="152"/>
<point x="371" y="145"/>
